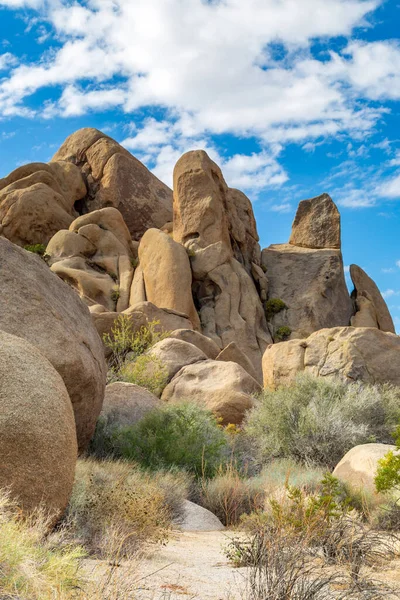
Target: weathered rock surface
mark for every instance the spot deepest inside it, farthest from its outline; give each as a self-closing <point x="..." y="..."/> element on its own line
<point x="205" y="344"/>
<point x="366" y="315"/>
<point x="359" y="466"/>
<point x="312" y="285"/>
<point x="39" y="307"/>
<point x="116" y="178"/>
<point x="350" y="353"/>
<point x="316" y="224"/>
<point x="232" y="353"/>
<point x="126" y="403"/>
<point x="197" y="518"/>
<point x="217" y="226"/>
<point x="223" y="387"/>
<point x="166" y="273"/>
<point x="96" y="257"/>
<point x="38" y="448"/>
<point x="174" y="354"/>
<point x="38" y="199"/>
<point x="364" y="285"/>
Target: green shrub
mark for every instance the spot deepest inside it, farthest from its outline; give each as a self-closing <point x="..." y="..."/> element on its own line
<point x="282" y="333"/>
<point x="273" y="306"/>
<point x="388" y="473"/>
<point x="180" y="435"/>
<point x="33" y="563"/>
<point x="318" y="420"/>
<point x="115" y="509"/>
<point x="147" y="371"/>
<point x="115" y="294"/>
<point x="36" y="249"/>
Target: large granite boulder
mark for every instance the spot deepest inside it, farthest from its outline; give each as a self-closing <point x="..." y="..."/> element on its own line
<point x="39" y="199"/>
<point x="359" y="466"/>
<point x="216" y="225"/>
<point x="126" y="403"/>
<point x="369" y="301"/>
<point x="175" y="354"/>
<point x="312" y="286"/>
<point x="96" y="256"/>
<point x="116" y="178"/>
<point x="316" y="224"/>
<point x="198" y="518"/>
<point x="166" y="273"/>
<point x="37" y="306"/>
<point x="350" y="353"/>
<point x="223" y="387"/>
<point x="205" y="344"/>
<point x="38" y="448"/>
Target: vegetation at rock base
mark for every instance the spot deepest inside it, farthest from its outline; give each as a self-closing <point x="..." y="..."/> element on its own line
<point x="388" y="475"/>
<point x="115" y="294"/>
<point x="147" y="371"/>
<point x="316" y="420"/>
<point x="273" y="306"/>
<point x="36" y="249"/>
<point x="282" y="333"/>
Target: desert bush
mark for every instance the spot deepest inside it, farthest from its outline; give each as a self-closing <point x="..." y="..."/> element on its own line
<point x="123" y="339"/>
<point x="388" y="473"/>
<point x="183" y="435"/>
<point x="33" y="563"/>
<point x="388" y="516"/>
<point x="36" y="249"/>
<point x="115" y="508"/>
<point x="282" y="333"/>
<point x="318" y="420"/>
<point x="147" y="371"/>
<point x="273" y="306"/>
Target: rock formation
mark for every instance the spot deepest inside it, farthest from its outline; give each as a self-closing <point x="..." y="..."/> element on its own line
<point x="364" y="287"/>
<point x="358" y="467"/>
<point x="307" y="275"/>
<point x="38" y="199"/>
<point x="217" y="227"/>
<point x="223" y="387"/>
<point x="116" y="178"/>
<point x="125" y="404"/>
<point x="175" y="354"/>
<point x="37" y="306"/>
<point x="202" y="342"/>
<point x="38" y="446"/>
<point x="316" y="224"/>
<point x="350" y="353"/>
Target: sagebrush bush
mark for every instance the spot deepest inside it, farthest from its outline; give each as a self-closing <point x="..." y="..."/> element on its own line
<point x="115" y="508"/>
<point x="318" y="420"/>
<point x="33" y="563"/>
<point x="147" y="371"/>
<point x="184" y="435"/>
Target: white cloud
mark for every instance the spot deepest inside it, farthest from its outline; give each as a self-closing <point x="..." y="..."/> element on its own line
<point x="395" y="162"/>
<point x="7" y="61"/>
<point x="284" y="207"/>
<point x="388" y="270"/>
<point x="390" y="188"/>
<point x="389" y="293"/>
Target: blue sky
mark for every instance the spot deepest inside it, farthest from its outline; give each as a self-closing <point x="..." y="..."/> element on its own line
<point x="291" y="97"/>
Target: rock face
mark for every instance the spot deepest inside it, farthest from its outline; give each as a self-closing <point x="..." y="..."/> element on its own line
<point x="116" y="178"/>
<point x="38" y="448"/>
<point x="38" y="199"/>
<point x="37" y="306"/>
<point x="364" y="286"/>
<point x="232" y="353"/>
<point x="223" y="387"/>
<point x="96" y="257"/>
<point x="350" y="353"/>
<point x="216" y="225"/>
<point x="166" y="274"/>
<point x="358" y="467"/>
<point x="175" y="354"/>
<point x="311" y="284"/>
<point x="197" y="518"/>
<point x="202" y="342"/>
<point x="316" y="224"/>
<point x="126" y="403"/>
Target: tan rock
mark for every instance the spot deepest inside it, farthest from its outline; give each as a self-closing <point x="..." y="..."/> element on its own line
<point x="359" y="466"/>
<point x="223" y="387"/>
<point x="174" y="354"/>
<point x="366" y="314"/>
<point x="202" y="342"/>
<point x="117" y="179"/>
<point x="312" y="285"/>
<point x="167" y="275"/>
<point x="363" y="283"/>
<point x="126" y="403"/>
<point x="316" y="224"/>
<point x="350" y="353"/>
<point x="39" y="307"/>
<point x="232" y="353"/>
<point x="38" y="448"/>
<point x="217" y="226"/>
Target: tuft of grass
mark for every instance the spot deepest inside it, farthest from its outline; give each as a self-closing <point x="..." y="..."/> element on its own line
<point x="36" y="249"/>
<point x="33" y="563"/>
<point x="273" y="306"/>
<point x="115" y="294"/>
<point x="282" y="333"/>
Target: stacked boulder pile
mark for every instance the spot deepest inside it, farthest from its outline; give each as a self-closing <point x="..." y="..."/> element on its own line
<point x="119" y="241"/>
